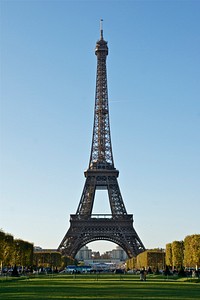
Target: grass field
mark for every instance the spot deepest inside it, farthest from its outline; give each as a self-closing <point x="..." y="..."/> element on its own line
<point x="97" y="287"/>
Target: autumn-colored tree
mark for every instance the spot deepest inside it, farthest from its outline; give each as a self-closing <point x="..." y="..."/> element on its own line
<point x="131" y="263"/>
<point x="192" y="251"/>
<point x="168" y="252"/>
<point x="41" y="259"/>
<point x="196" y="250"/>
<point x="48" y="258"/>
<point x="23" y="253"/>
<point x="177" y="254"/>
<point x="6" y="248"/>
<point x="67" y="260"/>
<point x="154" y="258"/>
<point x="2" y="243"/>
<point x="142" y="260"/>
<point x="15" y="252"/>
<point x="188" y="261"/>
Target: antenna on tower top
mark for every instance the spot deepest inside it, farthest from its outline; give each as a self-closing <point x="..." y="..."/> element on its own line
<point x="101" y="29"/>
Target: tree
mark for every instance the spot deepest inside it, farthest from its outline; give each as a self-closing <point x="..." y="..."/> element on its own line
<point x="192" y="251"/>
<point x="2" y="243"/>
<point x="196" y="250"/>
<point x="168" y="252"/>
<point x="131" y="263"/>
<point x="23" y="253"/>
<point x="48" y="258"/>
<point x="167" y="271"/>
<point x="154" y="258"/>
<point x="6" y="248"/>
<point x="67" y="260"/>
<point x="177" y="254"/>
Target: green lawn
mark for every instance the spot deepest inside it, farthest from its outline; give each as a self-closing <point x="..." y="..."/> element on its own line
<point x="97" y="287"/>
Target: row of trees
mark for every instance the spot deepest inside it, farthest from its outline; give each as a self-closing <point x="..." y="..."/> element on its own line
<point x="51" y="259"/>
<point x="184" y="253"/>
<point x="154" y="259"/>
<point x="177" y="254"/>
<point x="15" y="251"/>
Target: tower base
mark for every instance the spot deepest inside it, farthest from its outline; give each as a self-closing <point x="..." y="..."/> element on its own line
<point x="117" y="229"/>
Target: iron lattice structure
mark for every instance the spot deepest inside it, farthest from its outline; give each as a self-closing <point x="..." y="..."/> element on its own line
<point x="116" y="227"/>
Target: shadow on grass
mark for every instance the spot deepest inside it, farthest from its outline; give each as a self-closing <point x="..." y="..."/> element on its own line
<point x="93" y="287"/>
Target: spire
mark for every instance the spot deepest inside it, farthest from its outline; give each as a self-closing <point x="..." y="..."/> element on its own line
<point x="101" y="29"/>
<point x="101" y="45"/>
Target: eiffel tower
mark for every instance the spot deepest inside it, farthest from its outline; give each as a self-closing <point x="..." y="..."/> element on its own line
<point x="116" y="227"/>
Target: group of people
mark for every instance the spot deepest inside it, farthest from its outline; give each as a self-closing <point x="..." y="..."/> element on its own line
<point x="143" y="274"/>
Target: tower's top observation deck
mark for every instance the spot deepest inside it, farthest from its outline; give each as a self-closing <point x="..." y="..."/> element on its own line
<point x="101" y="45"/>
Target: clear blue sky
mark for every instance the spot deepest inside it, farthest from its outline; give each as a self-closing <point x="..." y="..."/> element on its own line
<point x="48" y="73"/>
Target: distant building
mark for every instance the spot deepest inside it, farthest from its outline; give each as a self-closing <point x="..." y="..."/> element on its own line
<point x="40" y="249"/>
<point x="119" y="254"/>
<point x="37" y="248"/>
<point x="84" y="254"/>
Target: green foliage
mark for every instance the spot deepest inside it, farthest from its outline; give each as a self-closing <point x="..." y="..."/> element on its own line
<point x="67" y="260"/>
<point x="51" y="259"/>
<point x="23" y="253"/>
<point x="6" y="248"/>
<point x="13" y="251"/>
<point x="47" y="258"/>
<point x="20" y="253"/>
<point x="2" y="243"/>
